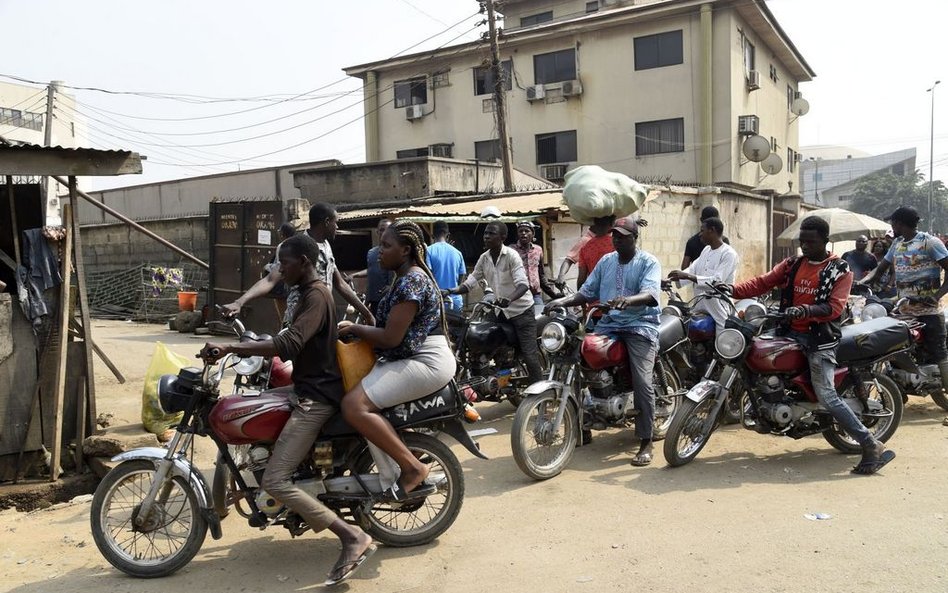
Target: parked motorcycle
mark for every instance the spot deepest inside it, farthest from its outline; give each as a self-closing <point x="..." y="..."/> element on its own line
<point x="257" y="373"/>
<point x="488" y="353"/>
<point x="589" y="388"/>
<point x="151" y="514"/>
<point x="780" y="398"/>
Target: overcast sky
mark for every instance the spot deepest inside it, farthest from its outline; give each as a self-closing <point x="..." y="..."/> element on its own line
<point x="873" y="59"/>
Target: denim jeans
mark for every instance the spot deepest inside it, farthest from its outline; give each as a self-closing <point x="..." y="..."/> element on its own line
<point x="537" y="304"/>
<point x="642" y="351"/>
<point x="934" y="338"/>
<point x="526" y="326"/>
<point x="822" y="369"/>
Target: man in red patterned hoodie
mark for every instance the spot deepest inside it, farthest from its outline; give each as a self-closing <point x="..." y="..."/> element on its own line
<point x="815" y="287"/>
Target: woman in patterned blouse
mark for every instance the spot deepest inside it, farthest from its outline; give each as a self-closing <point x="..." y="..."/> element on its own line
<point x="415" y="358"/>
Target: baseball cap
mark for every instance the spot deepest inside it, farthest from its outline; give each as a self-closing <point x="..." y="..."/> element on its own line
<point x="626" y="226"/>
<point x="905" y="215"/>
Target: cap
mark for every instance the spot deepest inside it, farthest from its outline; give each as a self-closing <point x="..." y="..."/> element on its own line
<point x="490" y="212"/>
<point x="525" y="223"/>
<point x="905" y="215"/>
<point x="626" y="226"/>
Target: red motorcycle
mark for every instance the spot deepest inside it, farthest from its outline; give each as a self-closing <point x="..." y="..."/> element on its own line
<point x="151" y="514"/>
<point x="780" y="399"/>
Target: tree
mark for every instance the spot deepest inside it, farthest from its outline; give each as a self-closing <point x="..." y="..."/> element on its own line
<point x="880" y="193"/>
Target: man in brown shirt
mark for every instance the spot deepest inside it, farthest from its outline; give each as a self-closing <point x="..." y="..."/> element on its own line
<point x="310" y="342"/>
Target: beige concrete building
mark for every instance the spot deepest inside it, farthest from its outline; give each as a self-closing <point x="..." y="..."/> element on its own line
<point x="654" y="89"/>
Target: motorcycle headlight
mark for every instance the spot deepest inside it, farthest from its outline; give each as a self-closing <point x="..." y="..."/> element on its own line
<point x="672" y="310"/>
<point x="872" y="311"/>
<point x="729" y="343"/>
<point x="752" y="309"/>
<point x="249" y="366"/>
<point x="553" y="337"/>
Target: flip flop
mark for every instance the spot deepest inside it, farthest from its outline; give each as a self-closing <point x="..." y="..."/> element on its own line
<point x="349" y="568"/>
<point x="396" y="493"/>
<point x="867" y="468"/>
<point x="641" y="459"/>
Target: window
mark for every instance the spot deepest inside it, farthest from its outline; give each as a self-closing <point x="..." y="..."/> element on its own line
<point x="558" y="147"/>
<point x="592" y="7"/>
<point x="488" y="150"/>
<point x="484" y="78"/>
<point x="554" y="67"/>
<point x="750" y="57"/>
<point x="21" y="119"/>
<point x="773" y="73"/>
<point x="791" y="160"/>
<point x="411" y="153"/>
<point x="791" y="95"/>
<point x="536" y="19"/>
<point x="657" y="137"/>
<point x="411" y="92"/>
<point x="817" y="177"/>
<point x="655" y="51"/>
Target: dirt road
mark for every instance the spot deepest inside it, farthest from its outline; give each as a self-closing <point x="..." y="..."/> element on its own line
<point x="734" y="520"/>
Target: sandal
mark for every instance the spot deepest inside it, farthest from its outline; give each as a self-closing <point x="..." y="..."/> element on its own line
<point x="344" y="570"/>
<point x="396" y="493"/>
<point x="641" y="459"/>
<point x="868" y="467"/>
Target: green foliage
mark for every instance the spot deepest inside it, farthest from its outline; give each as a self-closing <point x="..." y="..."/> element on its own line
<point x="879" y="194"/>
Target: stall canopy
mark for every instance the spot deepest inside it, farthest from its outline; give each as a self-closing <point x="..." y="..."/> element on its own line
<point x="513" y="207"/>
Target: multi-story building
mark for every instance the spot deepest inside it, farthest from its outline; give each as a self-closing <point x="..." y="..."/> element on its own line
<point x="652" y="88"/>
<point x="829" y="175"/>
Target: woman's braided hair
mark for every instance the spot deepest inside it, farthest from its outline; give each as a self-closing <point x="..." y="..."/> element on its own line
<point x="410" y="234"/>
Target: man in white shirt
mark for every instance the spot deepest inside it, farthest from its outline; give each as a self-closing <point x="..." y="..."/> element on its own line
<point x="502" y="268"/>
<point x="717" y="263"/>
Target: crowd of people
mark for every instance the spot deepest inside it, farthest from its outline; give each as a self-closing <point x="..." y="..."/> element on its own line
<point x="410" y="284"/>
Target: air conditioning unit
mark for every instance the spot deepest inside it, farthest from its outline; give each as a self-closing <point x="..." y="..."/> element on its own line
<point x="443" y="150"/>
<point x="797" y="157"/>
<point x="553" y="172"/>
<point x="572" y="88"/>
<point x="536" y="93"/>
<point x="748" y="125"/>
<point x="753" y="80"/>
<point x="797" y="95"/>
<point x="413" y="112"/>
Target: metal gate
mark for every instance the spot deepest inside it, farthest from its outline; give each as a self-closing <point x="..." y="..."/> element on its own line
<point x="244" y="237"/>
<point x="781" y="220"/>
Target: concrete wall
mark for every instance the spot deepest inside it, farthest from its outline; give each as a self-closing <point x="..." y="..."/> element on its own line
<point x="615" y="97"/>
<point x="115" y="247"/>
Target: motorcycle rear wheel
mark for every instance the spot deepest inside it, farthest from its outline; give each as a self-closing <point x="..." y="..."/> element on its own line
<point x="415" y="522"/>
<point x="940" y="400"/>
<point x="178" y="522"/>
<point x="686" y="436"/>
<point x="890" y="396"/>
<point x="538" y="452"/>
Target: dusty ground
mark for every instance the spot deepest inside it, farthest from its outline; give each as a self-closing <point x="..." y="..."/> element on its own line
<point x="734" y="520"/>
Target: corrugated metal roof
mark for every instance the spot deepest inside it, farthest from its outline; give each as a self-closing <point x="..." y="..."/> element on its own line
<point x="21" y="146"/>
<point x="33" y="159"/>
<point x="511" y="205"/>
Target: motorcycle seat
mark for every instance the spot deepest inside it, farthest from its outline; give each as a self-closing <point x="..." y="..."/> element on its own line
<point x="866" y="341"/>
<point x="442" y="403"/>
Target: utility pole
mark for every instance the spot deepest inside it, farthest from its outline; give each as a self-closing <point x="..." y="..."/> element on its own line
<point x="500" y="99"/>
<point x="931" y="165"/>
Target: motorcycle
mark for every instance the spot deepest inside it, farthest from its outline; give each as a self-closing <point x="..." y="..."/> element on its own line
<point x="257" y="373"/>
<point x="589" y="388"/>
<point x="151" y="513"/>
<point x="909" y="371"/>
<point x="780" y="399"/>
<point x="488" y="353"/>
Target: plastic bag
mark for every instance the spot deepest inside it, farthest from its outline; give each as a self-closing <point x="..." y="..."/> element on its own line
<point x="355" y="360"/>
<point x="592" y="192"/>
<point x="163" y="362"/>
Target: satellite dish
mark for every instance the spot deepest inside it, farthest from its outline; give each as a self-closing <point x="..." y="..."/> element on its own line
<point x="756" y="148"/>
<point x="800" y="106"/>
<point x="772" y="164"/>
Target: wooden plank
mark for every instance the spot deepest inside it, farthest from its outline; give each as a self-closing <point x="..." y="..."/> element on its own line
<point x="83" y="301"/>
<point x="80" y="424"/>
<point x="102" y="356"/>
<point x="59" y="356"/>
<point x="13" y="224"/>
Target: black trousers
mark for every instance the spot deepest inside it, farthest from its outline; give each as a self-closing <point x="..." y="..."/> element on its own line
<point x="526" y="326"/>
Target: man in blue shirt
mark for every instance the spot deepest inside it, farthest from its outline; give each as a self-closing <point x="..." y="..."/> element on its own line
<point x="446" y="263"/>
<point x="629" y="280"/>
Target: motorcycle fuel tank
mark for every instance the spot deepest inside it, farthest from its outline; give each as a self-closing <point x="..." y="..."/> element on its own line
<point x="601" y="352"/>
<point x="242" y="419"/>
<point x="487" y="336"/>
<point x="281" y="372"/>
<point x="771" y="354"/>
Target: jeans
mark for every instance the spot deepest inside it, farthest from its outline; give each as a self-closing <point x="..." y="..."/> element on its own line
<point x="822" y="369"/>
<point x="642" y="352"/>
<point x="291" y="448"/>
<point x="526" y="326"/>
<point x="934" y="338"/>
<point x="537" y="305"/>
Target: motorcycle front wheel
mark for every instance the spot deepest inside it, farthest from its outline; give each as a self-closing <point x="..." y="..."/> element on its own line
<point x="416" y="522"/>
<point x="540" y="451"/>
<point x="687" y="436"/>
<point x="665" y="403"/>
<point x="166" y="542"/>
<point x="881" y="426"/>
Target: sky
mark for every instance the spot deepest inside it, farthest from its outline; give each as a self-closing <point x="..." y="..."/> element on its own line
<point x="874" y="61"/>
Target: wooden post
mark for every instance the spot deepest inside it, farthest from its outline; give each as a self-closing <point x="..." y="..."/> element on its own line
<point x="83" y="301"/>
<point x="16" y="229"/>
<point x="59" y="358"/>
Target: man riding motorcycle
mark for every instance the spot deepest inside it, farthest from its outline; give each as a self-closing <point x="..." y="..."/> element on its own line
<point x="629" y="280"/>
<point x="310" y="342"/>
<point x="814" y="292"/>
<point x="918" y="259"/>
